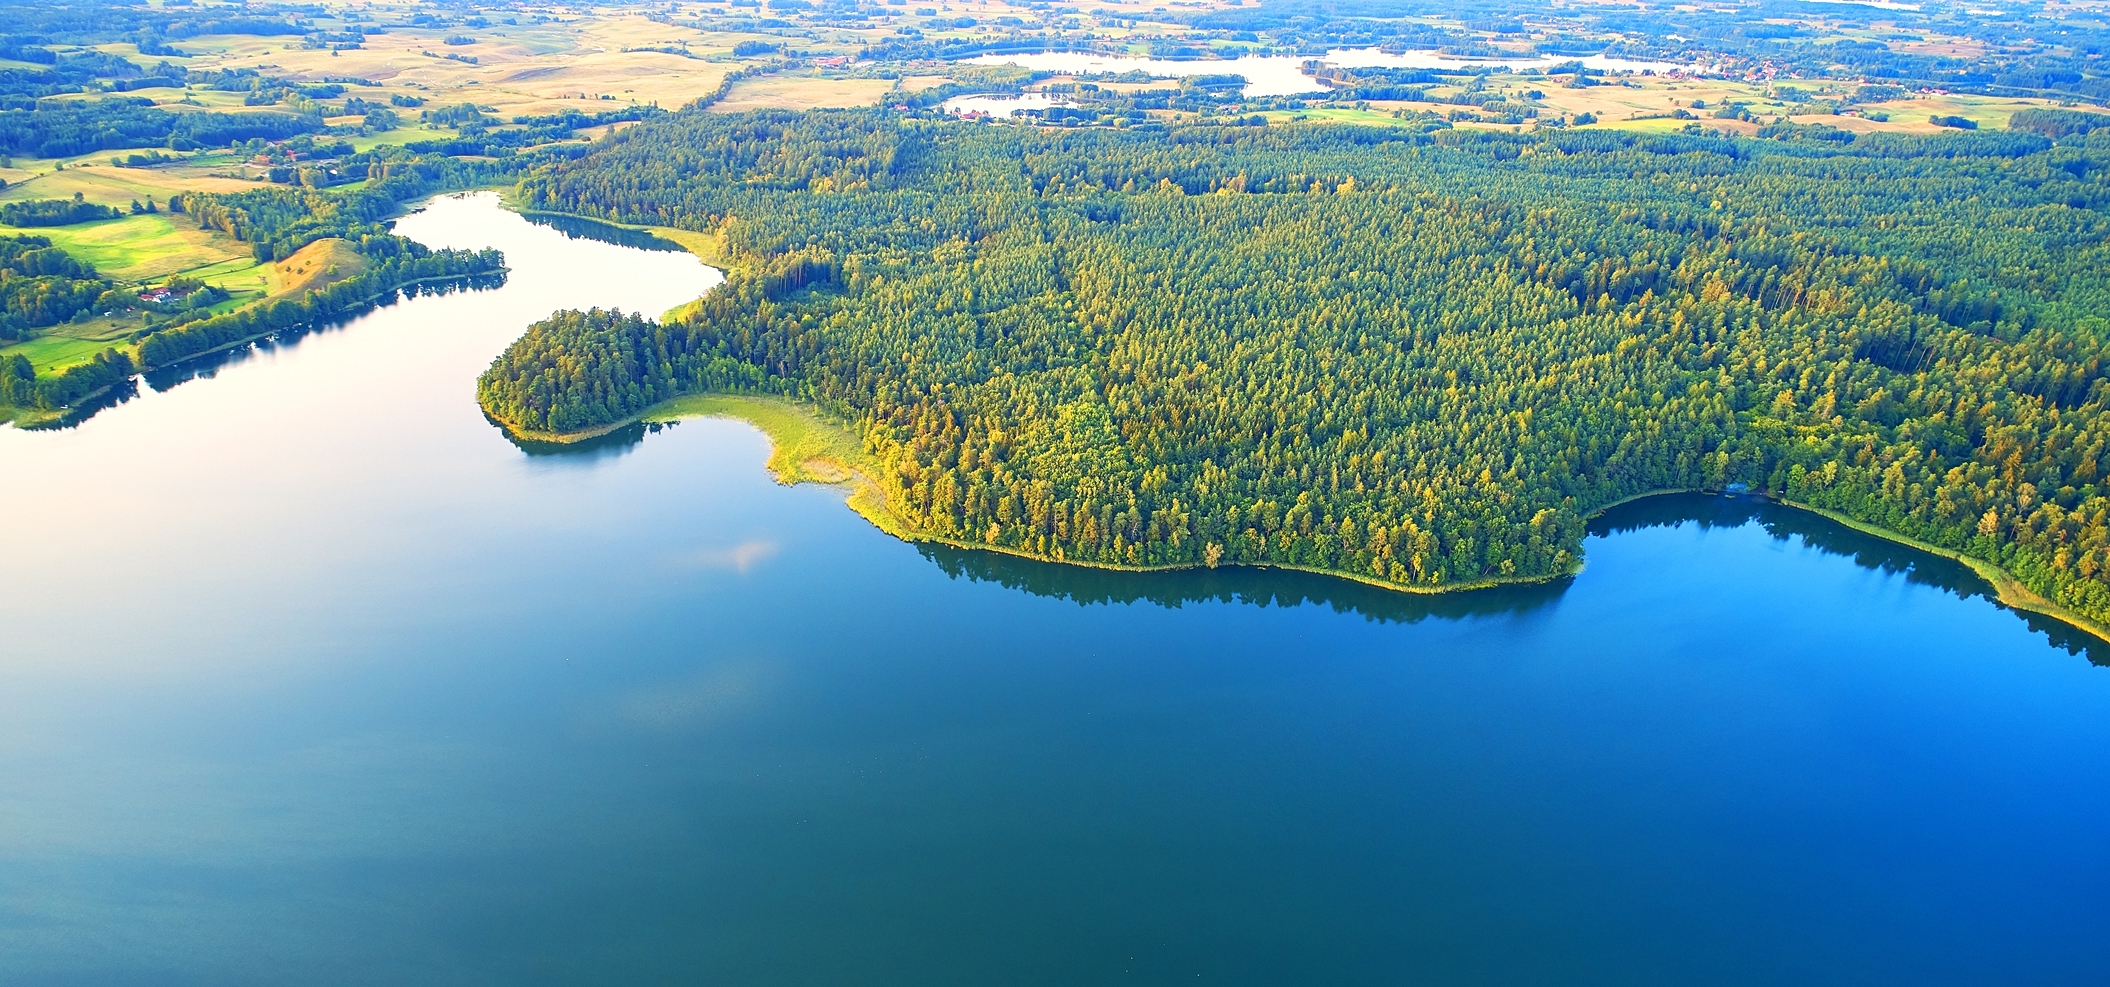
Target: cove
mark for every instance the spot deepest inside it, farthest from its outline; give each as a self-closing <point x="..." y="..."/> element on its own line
<point x="308" y="674"/>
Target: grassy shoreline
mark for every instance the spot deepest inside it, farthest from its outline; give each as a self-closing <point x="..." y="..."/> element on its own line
<point x="807" y="446"/>
<point x="705" y="246"/>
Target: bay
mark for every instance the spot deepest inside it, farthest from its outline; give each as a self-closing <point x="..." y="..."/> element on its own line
<point x="308" y="674"/>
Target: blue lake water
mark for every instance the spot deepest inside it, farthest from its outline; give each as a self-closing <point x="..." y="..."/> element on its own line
<point x="309" y="675"/>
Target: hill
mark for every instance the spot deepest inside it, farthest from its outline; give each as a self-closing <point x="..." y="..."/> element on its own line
<point x="317" y="265"/>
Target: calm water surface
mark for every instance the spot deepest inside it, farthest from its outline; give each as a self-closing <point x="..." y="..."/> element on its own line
<point x="1284" y="75"/>
<point x="308" y="675"/>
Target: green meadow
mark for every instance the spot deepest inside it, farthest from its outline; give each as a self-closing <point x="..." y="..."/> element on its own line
<point x="52" y="351"/>
<point x="144" y="248"/>
<point x="805" y="446"/>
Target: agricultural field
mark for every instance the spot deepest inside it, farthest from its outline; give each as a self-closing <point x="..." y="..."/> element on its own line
<point x="539" y="67"/>
<point x="542" y="61"/>
<point x="317" y="265"/>
<point x="145" y="247"/>
<point x="798" y="93"/>
<point x="72" y="343"/>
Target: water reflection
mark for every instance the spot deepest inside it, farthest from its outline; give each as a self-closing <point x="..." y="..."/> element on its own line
<point x="1824" y="534"/>
<point x="204" y="366"/>
<point x="1784" y="523"/>
<point x="585" y="452"/>
<point x="581" y="228"/>
<point x="1266" y="587"/>
<point x="111" y="397"/>
<point x="1261" y="587"/>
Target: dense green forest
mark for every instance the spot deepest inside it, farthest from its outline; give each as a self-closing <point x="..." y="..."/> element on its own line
<point x="54" y="212"/>
<point x="53" y="128"/>
<point x="1417" y="358"/>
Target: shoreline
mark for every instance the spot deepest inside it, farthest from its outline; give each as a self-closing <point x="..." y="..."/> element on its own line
<point x="698" y="244"/>
<point x="559" y="438"/>
<point x="866" y="500"/>
<point x="2007" y="590"/>
<point x="356" y="309"/>
<point x="33" y="418"/>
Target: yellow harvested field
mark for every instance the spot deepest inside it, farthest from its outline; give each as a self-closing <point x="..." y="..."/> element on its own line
<point x="1613" y="102"/>
<point x="650" y="77"/>
<point x="524" y="69"/>
<point x="114" y="186"/>
<point x="317" y="265"/>
<point x="779" y="92"/>
<point x="1648" y="101"/>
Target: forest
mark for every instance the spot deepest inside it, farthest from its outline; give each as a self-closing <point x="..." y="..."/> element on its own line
<point x="52" y="128"/>
<point x="54" y="212"/>
<point x="1417" y="358"/>
<point x="41" y="285"/>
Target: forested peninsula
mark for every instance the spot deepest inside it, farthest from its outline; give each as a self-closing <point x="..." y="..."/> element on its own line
<point x="1417" y="358"/>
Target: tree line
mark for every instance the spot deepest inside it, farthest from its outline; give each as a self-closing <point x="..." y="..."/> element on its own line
<point x="54" y="212"/>
<point x="57" y="128"/>
<point x="407" y="263"/>
<point x="1423" y="359"/>
<point x="42" y="285"/>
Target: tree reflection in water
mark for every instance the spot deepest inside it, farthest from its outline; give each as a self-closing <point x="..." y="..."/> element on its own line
<point x="1266" y="587"/>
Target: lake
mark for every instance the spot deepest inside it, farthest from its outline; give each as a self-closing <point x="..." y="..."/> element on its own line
<point x="1284" y="75"/>
<point x="1002" y="106"/>
<point x="309" y="675"/>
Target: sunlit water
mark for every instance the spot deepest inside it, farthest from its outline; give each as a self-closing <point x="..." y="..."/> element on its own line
<point x="1284" y="75"/>
<point x="308" y="675"/>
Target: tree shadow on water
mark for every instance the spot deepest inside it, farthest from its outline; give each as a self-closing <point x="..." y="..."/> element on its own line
<point x="1265" y="587"/>
<point x="205" y="366"/>
<point x="582" y="228"/>
<point x="110" y="397"/>
<point x="1826" y="535"/>
<point x="585" y="452"/>
<point x="1251" y="585"/>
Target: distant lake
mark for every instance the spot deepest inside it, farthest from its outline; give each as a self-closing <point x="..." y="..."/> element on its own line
<point x="1002" y="106"/>
<point x="1283" y="75"/>
<point x="308" y="675"/>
